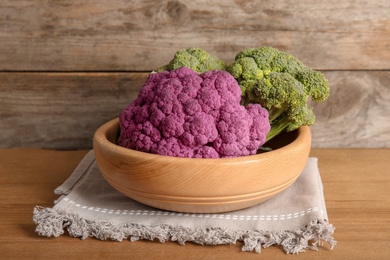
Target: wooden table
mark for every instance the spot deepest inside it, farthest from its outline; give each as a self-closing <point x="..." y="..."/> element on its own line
<point x="356" y="186"/>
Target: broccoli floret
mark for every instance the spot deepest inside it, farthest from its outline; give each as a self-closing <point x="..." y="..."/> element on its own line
<point x="282" y="84"/>
<point x="194" y="58"/>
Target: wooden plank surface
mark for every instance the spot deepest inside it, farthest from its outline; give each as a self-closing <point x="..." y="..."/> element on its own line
<point x="66" y="67"/>
<point x="143" y="35"/>
<point x="356" y="113"/>
<point x="63" y="110"/>
<point x="356" y="184"/>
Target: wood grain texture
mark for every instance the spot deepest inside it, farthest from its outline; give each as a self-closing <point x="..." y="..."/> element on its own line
<point x="143" y="35"/>
<point x="358" y="206"/>
<point x="357" y="112"/>
<point x="54" y="107"/>
<point x="63" y="110"/>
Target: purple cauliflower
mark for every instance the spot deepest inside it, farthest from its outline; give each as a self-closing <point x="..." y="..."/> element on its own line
<point x="185" y="114"/>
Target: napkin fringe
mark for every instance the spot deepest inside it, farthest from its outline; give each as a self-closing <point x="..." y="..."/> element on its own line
<point x="52" y="223"/>
<point x="293" y="241"/>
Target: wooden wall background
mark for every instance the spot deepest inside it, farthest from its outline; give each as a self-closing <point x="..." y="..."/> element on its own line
<point x="66" y="67"/>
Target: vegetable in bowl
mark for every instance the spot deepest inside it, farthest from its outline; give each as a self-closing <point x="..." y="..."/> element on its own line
<point x="196" y="59"/>
<point x="282" y="84"/>
<point x="183" y="113"/>
<point x="198" y="106"/>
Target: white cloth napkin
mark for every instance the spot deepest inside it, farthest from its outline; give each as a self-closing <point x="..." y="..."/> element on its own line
<point x="89" y="207"/>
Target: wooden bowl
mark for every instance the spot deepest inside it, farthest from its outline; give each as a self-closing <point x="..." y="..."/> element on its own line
<point x="199" y="185"/>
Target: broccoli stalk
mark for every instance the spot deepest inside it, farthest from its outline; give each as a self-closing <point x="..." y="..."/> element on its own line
<point x="280" y="83"/>
<point x="194" y="58"/>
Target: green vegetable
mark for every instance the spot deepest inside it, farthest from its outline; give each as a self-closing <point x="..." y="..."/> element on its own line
<point x="196" y="59"/>
<point x="280" y="83"/>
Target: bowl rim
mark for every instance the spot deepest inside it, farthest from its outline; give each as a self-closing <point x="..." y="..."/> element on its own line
<point x="100" y="139"/>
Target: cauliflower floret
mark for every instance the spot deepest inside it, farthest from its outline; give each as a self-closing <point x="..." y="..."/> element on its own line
<point x="185" y="114"/>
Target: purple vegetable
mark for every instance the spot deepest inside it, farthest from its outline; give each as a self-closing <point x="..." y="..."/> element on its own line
<point x="185" y="114"/>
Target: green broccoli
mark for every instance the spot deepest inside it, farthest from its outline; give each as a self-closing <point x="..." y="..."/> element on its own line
<point x="282" y="84"/>
<point x="196" y="59"/>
